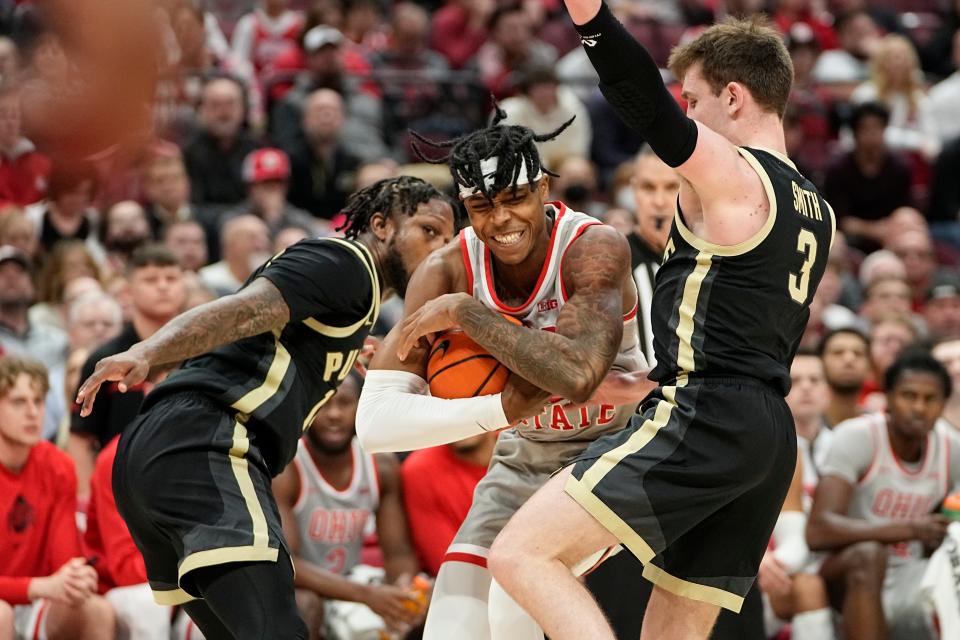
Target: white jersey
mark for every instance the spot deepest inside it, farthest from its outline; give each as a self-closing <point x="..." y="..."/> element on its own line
<point x="886" y="488"/>
<point x="540" y="311"/>
<point x="332" y="522"/>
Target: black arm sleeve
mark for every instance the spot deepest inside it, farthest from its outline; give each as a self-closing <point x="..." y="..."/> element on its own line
<point x="631" y="83"/>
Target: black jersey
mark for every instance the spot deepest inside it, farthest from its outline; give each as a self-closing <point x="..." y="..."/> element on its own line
<point x="741" y="309"/>
<point x="276" y="382"/>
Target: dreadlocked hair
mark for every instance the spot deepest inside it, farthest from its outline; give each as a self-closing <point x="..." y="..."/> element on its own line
<point x="387" y="196"/>
<point x="512" y="145"/>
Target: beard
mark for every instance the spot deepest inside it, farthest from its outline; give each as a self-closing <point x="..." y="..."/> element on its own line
<point x="395" y="271"/>
<point x="327" y="449"/>
<point x="845" y="387"/>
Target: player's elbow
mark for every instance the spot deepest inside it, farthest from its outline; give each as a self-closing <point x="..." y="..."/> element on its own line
<point x="818" y="535"/>
<point x="582" y="388"/>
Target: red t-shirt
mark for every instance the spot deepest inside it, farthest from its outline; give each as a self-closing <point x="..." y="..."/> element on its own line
<point x="437" y="493"/>
<point x="23" y="180"/>
<point x="119" y="563"/>
<point x="38" y="533"/>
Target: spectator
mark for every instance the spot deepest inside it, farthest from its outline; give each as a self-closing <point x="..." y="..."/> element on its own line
<point x="460" y="29"/>
<point x="655" y="187"/>
<point x="93" y="318"/>
<point x="214" y="157"/>
<point x="788" y="575"/>
<point x="620" y="219"/>
<point x="846" y="367"/>
<point x="43" y="574"/>
<point x="884" y="297"/>
<point x="267" y="175"/>
<point x="322" y="169"/>
<point x="125" y="229"/>
<point x="9" y="62"/>
<point x="874" y="507"/>
<point x="511" y="51"/>
<point x="326" y="498"/>
<point x="544" y="105"/>
<point x="246" y="245"/>
<point x="411" y="78"/>
<point x="23" y="171"/>
<point x="944" y="100"/>
<point x="67" y="213"/>
<point x="18" y="231"/>
<point x="936" y="51"/>
<point x="120" y="567"/>
<point x="947" y="353"/>
<point x="156" y="292"/>
<point x="69" y="261"/>
<point x="846" y="67"/>
<point x="267" y="32"/>
<point x="896" y="82"/>
<point x="371" y="172"/>
<point x="889" y="335"/>
<point x="18" y="335"/>
<point x="941" y="310"/>
<point x="438" y="488"/>
<point x="188" y="241"/>
<point x="577" y="185"/>
<point x="915" y="249"/>
<point x="325" y="70"/>
<point x="866" y="184"/>
<point x="881" y="264"/>
<point x="944" y="207"/>
<point x="790" y="13"/>
<point x="166" y="189"/>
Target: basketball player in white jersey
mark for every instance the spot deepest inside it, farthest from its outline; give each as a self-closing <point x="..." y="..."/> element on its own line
<point x="328" y="497"/>
<point x="874" y="509"/>
<point x="567" y="277"/>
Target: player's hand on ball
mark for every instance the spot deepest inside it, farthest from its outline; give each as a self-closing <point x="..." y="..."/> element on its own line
<point x="389" y="602"/>
<point x="128" y="368"/>
<point x="522" y="399"/>
<point x="435" y="316"/>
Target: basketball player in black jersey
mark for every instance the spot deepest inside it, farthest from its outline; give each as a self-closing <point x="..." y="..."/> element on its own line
<point x="694" y="484"/>
<point x="192" y="474"/>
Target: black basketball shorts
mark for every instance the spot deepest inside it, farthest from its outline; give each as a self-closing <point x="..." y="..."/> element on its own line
<point x="694" y="484"/>
<point x="194" y="491"/>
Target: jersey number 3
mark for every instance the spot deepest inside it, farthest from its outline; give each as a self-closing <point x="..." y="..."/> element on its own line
<point x="799" y="283"/>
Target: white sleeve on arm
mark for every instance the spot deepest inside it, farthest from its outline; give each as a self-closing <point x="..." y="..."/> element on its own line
<point x="396" y="413"/>
<point x="851" y="450"/>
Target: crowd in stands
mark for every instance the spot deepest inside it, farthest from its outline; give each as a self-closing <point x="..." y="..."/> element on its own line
<point x="269" y="113"/>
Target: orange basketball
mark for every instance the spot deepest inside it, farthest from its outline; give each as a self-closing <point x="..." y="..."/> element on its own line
<point x="460" y="368"/>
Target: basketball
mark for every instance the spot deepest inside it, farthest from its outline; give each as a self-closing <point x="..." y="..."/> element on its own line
<point x="460" y="368"/>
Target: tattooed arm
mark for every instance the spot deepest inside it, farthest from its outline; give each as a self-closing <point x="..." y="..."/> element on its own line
<point x="255" y="309"/>
<point x="571" y="362"/>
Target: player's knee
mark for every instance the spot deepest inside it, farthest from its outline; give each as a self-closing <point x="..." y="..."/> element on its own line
<point x="502" y="561"/>
<point x="866" y="564"/>
<point x="310" y="606"/>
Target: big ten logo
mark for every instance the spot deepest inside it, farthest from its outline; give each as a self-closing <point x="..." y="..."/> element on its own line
<point x="560" y="418"/>
<point x="337" y="527"/>
<point x="339" y="364"/>
<point x="547" y="305"/>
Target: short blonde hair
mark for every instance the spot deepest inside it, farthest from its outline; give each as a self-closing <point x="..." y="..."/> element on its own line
<point x="11" y="367"/>
<point x="748" y="51"/>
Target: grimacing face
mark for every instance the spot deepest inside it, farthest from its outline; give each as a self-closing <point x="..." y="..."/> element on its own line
<point x="513" y="224"/>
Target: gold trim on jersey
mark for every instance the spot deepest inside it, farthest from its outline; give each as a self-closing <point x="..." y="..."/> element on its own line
<point x="316" y="408"/>
<point x="833" y="223"/>
<point x="692" y="590"/>
<point x="238" y="460"/>
<point x="749" y="244"/>
<point x="271" y="383"/>
<point x="638" y="440"/>
<point x="345" y="332"/>
<point x="226" y="555"/>
<point x="779" y="156"/>
<point x="171" y="597"/>
<point x="686" y="323"/>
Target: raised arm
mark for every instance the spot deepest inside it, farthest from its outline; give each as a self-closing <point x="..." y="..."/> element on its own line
<point x="255" y="309"/>
<point x="571" y="362"/>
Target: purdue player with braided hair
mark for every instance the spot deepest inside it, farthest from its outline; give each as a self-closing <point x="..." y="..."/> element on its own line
<point x="192" y="473"/>
<point x="567" y="278"/>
